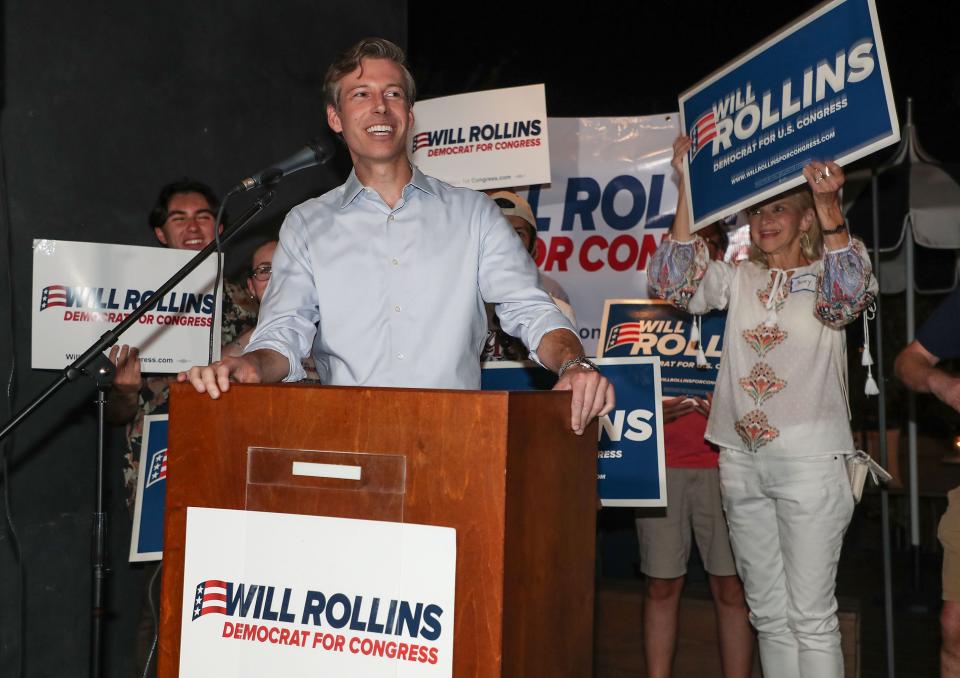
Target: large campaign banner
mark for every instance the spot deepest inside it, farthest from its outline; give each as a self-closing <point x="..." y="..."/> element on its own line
<point x="816" y="90"/>
<point x="81" y="290"/>
<point x="611" y="198"/>
<point x="484" y="140"/>
<point x="689" y="347"/>
<point x="630" y="455"/>
<point x="271" y="594"/>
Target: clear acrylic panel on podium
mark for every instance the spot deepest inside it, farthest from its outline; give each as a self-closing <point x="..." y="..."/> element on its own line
<point x="361" y="485"/>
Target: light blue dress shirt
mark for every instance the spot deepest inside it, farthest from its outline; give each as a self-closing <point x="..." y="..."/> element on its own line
<point x="394" y="297"/>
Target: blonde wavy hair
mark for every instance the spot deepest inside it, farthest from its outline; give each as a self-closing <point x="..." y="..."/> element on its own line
<point x="812" y="244"/>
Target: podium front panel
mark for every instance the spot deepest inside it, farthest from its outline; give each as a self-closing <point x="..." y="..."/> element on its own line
<point x="456" y="446"/>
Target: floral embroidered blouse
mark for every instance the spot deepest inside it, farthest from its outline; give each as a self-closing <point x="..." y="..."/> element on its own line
<point x="782" y="381"/>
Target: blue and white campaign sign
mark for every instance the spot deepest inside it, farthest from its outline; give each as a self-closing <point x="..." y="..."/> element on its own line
<point x="146" y="542"/>
<point x="816" y="90"/>
<point x="630" y="462"/>
<point x="652" y="327"/>
<point x="484" y="140"/>
<point x="274" y="594"/>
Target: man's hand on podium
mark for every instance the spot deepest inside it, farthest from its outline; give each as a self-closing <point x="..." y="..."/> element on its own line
<point x="260" y="366"/>
<point x="592" y="395"/>
<point x="215" y="378"/>
<point x="560" y="350"/>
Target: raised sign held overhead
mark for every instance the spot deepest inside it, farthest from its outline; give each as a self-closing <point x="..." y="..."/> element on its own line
<point x="816" y="90"/>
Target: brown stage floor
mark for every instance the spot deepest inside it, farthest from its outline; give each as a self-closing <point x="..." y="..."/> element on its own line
<point x="618" y="645"/>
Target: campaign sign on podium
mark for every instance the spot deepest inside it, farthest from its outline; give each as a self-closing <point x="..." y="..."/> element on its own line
<point x="630" y="463"/>
<point x="275" y="594"/>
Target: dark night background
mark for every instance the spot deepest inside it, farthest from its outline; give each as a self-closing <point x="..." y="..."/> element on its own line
<point x="609" y="58"/>
<point x="101" y="104"/>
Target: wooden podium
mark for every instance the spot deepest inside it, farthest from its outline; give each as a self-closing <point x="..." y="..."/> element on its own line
<point x="504" y="469"/>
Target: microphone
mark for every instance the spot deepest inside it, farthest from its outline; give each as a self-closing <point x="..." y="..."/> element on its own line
<point x="317" y="152"/>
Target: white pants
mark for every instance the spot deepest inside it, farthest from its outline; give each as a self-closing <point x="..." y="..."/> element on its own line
<point x="787" y="517"/>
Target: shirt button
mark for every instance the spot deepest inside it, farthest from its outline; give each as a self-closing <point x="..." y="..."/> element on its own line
<point x="395" y="261"/>
<point x="397" y="308"/>
<point x="390" y="218"/>
<point x="400" y="356"/>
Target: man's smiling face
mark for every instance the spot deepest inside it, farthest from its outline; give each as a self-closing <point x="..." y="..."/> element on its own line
<point x="373" y="113"/>
<point x="189" y="224"/>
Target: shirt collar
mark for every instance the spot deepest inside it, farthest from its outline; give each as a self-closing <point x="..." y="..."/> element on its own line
<point x="352" y="186"/>
<point x="351" y="189"/>
<point x="423" y="182"/>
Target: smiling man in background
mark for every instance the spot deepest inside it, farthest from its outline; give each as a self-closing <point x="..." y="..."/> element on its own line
<point x="182" y="218"/>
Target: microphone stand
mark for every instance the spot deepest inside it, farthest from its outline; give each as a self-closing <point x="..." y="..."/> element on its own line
<point x="103" y="375"/>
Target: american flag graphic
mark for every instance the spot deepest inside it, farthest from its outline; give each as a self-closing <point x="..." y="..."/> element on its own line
<point x="54" y="295"/>
<point x="624" y="333"/>
<point x="704" y="129"/>
<point x="421" y="140"/>
<point x="158" y="467"/>
<point x="211" y="598"/>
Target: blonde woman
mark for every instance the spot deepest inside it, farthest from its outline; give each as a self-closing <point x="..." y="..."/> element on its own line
<point x="780" y="412"/>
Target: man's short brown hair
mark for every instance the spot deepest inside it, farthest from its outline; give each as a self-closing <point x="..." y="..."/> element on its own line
<point x="349" y="61"/>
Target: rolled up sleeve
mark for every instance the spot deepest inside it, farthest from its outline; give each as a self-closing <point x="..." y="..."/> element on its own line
<point x="508" y="278"/>
<point x="288" y="314"/>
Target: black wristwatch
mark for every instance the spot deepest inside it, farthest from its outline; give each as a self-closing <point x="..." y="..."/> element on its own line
<point x="833" y="231"/>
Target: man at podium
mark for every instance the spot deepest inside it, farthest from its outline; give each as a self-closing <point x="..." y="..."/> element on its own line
<point x="384" y="278"/>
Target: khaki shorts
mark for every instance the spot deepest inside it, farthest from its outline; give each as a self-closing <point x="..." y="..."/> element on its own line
<point x="693" y="504"/>
<point x="949" y="534"/>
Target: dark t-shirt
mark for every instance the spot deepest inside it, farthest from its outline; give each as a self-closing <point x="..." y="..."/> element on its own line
<point x="940" y="334"/>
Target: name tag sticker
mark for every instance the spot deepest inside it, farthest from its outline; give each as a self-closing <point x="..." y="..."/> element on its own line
<point x="804" y="283"/>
